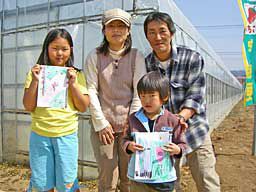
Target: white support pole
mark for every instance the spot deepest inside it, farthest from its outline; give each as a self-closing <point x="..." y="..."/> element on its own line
<point x="254" y="134"/>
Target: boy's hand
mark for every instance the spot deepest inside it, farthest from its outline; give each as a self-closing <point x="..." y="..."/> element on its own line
<point x="135" y="147"/>
<point x="172" y="148"/>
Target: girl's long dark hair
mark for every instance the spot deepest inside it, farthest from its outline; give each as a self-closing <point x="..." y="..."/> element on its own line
<point x="103" y="48"/>
<point x="51" y="36"/>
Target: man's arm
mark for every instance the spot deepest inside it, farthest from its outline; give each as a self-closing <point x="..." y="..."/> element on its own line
<point x="195" y="94"/>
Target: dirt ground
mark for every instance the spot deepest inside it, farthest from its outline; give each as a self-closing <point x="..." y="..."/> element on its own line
<point x="233" y="145"/>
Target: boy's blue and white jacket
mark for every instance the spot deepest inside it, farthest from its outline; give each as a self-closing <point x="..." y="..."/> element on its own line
<point x="138" y="122"/>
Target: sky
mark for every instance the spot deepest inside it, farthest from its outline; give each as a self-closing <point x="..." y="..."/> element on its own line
<point x="220" y="23"/>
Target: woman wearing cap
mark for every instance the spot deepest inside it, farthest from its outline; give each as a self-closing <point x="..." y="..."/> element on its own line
<point x="113" y="70"/>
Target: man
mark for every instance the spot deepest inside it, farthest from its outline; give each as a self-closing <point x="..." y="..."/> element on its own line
<point x="184" y="67"/>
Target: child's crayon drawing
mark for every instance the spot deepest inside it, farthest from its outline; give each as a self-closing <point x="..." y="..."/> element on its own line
<point x="52" y="88"/>
<point x="153" y="163"/>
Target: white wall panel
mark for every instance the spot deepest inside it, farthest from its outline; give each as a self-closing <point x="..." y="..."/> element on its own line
<point x="27" y="3"/>
<point x="23" y="132"/>
<point x="31" y="38"/>
<point x="9" y="4"/>
<point x="9" y="68"/>
<point x="71" y="11"/>
<point x="9" y="41"/>
<point x="76" y="32"/>
<point x="9" y="98"/>
<point x="28" y="18"/>
<point x="92" y="37"/>
<point x="9" y="22"/>
<point x="26" y="60"/>
<point x="19" y="99"/>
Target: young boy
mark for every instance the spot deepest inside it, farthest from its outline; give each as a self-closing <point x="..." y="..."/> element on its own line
<point x="153" y="90"/>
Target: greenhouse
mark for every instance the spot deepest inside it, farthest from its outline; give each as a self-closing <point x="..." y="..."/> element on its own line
<point x="24" y="25"/>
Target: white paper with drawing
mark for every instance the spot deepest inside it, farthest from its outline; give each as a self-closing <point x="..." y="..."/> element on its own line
<point x="53" y="87"/>
<point x="153" y="163"/>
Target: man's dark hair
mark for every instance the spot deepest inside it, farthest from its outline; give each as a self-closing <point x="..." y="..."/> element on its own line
<point x="159" y="16"/>
<point x="154" y="81"/>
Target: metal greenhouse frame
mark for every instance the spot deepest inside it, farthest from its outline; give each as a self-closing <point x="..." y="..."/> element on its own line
<point x="24" y="24"/>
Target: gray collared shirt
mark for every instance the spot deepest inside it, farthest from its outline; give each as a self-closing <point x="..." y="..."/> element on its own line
<point x="187" y="88"/>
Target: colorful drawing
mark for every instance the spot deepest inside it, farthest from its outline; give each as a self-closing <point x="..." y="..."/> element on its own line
<point x="153" y="163"/>
<point x="52" y="88"/>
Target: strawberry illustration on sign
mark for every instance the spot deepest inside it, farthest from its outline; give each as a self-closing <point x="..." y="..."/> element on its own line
<point x="251" y="15"/>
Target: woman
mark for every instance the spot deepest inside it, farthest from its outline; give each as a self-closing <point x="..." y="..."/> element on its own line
<point x="113" y="70"/>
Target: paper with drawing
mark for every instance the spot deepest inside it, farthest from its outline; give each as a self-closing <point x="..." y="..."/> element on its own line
<point x="153" y="163"/>
<point x="52" y="88"/>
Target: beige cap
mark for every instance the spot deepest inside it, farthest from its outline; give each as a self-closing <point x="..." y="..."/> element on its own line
<point x="116" y="14"/>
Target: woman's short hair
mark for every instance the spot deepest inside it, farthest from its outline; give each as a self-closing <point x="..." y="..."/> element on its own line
<point x="159" y="16"/>
<point x="154" y="81"/>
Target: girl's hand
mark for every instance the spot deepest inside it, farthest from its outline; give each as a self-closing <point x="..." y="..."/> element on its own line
<point x="135" y="147"/>
<point x="71" y="76"/>
<point x="172" y="148"/>
<point x="35" y="72"/>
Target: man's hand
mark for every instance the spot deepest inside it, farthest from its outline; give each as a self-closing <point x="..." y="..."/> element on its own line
<point x="183" y="125"/>
<point x="184" y="115"/>
<point x="106" y="135"/>
<point x="182" y="122"/>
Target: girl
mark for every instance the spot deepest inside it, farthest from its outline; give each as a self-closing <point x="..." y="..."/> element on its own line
<point x="53" y="147"/>
<point x="153" y="90"/>
<point x="113" y="70"/>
